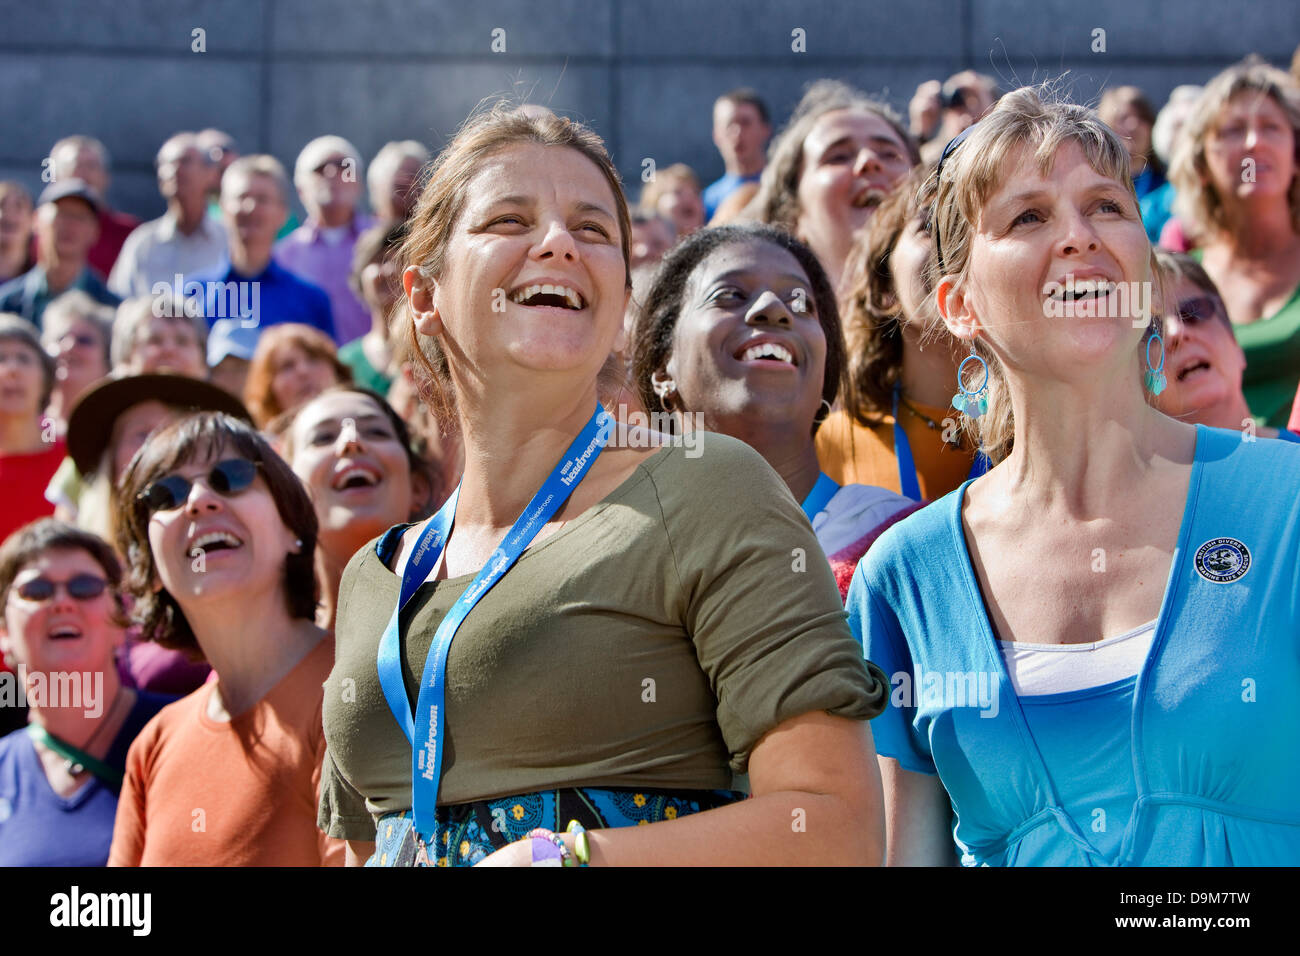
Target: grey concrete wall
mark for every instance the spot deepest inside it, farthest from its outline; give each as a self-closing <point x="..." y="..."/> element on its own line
<point x="276" y="73"/>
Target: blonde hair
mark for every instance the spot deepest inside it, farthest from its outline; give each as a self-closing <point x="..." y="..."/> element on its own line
<point x="1196" y="203"/>
<point x="484" y="134"/>
<point x="1034" y="118"/>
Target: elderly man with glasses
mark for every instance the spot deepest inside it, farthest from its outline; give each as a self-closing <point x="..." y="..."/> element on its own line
<point x="328" y="176"/>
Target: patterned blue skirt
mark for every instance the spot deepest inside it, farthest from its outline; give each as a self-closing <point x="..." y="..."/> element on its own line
<point x="467" y="832"/>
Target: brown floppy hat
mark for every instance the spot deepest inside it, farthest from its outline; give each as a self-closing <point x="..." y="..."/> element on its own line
<point x="91" y="423"/>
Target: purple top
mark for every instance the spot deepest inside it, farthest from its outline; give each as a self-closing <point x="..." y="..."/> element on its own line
<point x="40" y="828"/>
<point x="307" y="252"/>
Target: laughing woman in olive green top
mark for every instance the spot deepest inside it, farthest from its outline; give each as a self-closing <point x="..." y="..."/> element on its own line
<point x="672" y="624"/>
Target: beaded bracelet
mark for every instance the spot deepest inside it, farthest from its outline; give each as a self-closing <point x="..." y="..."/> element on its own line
<point x="548" y="849"/>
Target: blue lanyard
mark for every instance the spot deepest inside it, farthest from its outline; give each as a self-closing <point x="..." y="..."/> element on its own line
<point x="820" y="496"/>
<point x="417" y="564"/>
<point x="909" y="484"/>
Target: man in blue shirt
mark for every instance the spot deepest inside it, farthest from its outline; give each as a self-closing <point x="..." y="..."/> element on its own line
<point x="67" y="225"/>
<point x="741" y="129"/>
<point x="254" y="292"/>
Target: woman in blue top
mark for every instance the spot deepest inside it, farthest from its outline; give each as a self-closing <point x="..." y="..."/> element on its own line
<point x="1092" y="648"/>
<point x="61" y="623"/>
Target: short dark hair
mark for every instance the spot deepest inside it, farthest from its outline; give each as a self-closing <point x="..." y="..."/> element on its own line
<point x="656" y="322"/>
<point x="199" y="436"/>
<point x="747" y="94"/>
<point x="14" y="328"/>
<point x="49" y="534"/>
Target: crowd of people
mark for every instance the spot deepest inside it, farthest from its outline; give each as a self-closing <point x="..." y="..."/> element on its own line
<point x="921" y="491"/>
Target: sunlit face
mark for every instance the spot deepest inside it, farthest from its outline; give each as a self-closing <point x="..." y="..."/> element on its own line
<point x="1250" y="150"/>
<point x="852" y="158"/>
<point x="183" y="171"/>
<point x="253" y="208"/>
<point x="21" y="380"/>
<point x="218" y="548"/>
<point x="298" y="375"/>
<point x="908" y="261"/>
<point x="379" y="285"/>
<point x="81" y="162"/>
<point x="67" y="228"/>
<point x="534" y="216"/>
<point x="740" y="133"/>
<point x="60" y="633"/>
<point x="682" y="206"/>
<point x="170" y="345"/>
<point x="749" y="346"/>
<point x="650" y="240"/>
<point x="355" y="468"/>
<point x="1203" y="362"/>
<point x="331" y="185"/>
<point x="1042" y="233"/>
<point x="1126" y="120"/>
<point x="394" y="196"/>
<point x="77" y="347"/>
<point x="132" y="428"/>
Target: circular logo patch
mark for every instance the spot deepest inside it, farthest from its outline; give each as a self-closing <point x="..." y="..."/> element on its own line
<point x="1222" y="560"/>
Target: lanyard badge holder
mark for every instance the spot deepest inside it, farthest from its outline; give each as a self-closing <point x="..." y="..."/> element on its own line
<point x="424" y="728"/>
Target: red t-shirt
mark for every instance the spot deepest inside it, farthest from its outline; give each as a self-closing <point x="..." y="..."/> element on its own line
<point x="24" y="479"/>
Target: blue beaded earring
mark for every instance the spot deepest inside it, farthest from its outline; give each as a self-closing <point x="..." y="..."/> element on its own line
<point x="1155" y="375"/>
<point x="976" y="403"/>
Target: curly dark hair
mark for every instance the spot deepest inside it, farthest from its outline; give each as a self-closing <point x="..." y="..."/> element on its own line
<point x="207" y="435"/>
<point x="872" y="314"/>
<point x="656" y="319"/>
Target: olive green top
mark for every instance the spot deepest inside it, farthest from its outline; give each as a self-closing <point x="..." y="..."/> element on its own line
<point x="650" y="642"/>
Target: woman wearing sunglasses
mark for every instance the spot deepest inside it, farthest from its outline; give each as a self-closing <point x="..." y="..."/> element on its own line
<point x="1204" y="362"/>
<point x="609" y="631"/>
<point x="221" y="537"/>
<point x="1094" y="644"/>
<point x="61" y="628"/>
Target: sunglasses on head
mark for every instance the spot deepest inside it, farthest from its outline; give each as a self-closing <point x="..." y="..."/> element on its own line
<point x="934" y="218"/>
<point x="227" y="478"/>
<point x="83" y="587"/>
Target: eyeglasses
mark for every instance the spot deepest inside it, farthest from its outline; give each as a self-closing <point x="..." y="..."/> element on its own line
<point x="1198" y="310"/>
<point x="83" y="587"/>
<point x="934" y="217"/>
<point x="227" y="478"/>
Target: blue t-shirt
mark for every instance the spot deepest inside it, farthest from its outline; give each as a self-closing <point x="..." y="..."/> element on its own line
<point x="238" y="308"/>
<point x="40" y="828"/>
<point x="716" y="192"/>
<point x="1193" y="762"/>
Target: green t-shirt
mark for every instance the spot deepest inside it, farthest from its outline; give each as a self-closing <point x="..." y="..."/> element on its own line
<point x="650" y="642"/>
<point x="363" y="373"/>
<point x="1272" y="347"/>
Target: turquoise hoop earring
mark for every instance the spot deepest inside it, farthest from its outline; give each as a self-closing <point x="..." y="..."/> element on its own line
<point x="976" y="403"/>
<point x="1155" y="376"/>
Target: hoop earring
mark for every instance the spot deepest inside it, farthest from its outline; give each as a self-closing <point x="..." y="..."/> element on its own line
<point x="1155" y="375"/>
<point x="828" y="412"/>
<point x="976" y="403"/>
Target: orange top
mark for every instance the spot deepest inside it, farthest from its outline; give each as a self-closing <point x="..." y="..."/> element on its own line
<point x="853" y="453"/>
<point x="199" y="792"/>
